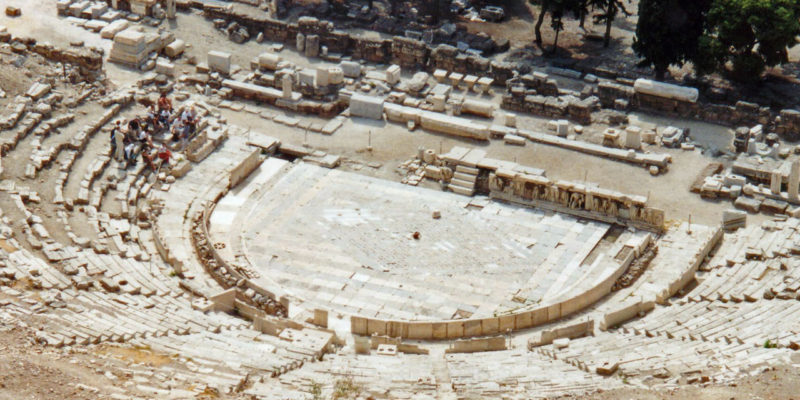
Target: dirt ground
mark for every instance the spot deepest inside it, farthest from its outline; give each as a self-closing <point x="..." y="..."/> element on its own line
<point x="31" y="371"/>
<point x="573" y="43"/>
<point x="773" y="384"/>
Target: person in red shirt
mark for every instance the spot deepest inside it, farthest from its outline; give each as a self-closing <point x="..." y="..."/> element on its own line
<point x="164" y="154"/>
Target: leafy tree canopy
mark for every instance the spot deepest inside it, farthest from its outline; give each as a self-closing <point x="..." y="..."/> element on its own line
<point x="748" y="35"/>
<point x="668" y="31"/>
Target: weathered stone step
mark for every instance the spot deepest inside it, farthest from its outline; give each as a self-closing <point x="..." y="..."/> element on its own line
<point x="462" y="183"/>
<point x="462" y="190"/>
<point x="465" y="177"/>
<point x="467" y="170"/>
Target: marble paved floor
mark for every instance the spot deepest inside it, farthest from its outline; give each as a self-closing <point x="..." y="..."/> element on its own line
<point x="344" y="241"/>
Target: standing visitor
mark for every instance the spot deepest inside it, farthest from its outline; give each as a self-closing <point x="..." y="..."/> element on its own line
<point x="119" y="143"/>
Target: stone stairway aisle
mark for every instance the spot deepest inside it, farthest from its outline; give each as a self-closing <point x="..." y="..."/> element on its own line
<point x="442" y="374"/>
<point x="463" y="181"/>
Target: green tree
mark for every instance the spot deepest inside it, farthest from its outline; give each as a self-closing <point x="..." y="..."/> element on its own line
<point x="748" y="36"/>
<point x="668" y="31"/>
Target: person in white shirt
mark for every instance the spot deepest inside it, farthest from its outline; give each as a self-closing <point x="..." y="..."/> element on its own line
<point x="130" y="153"/>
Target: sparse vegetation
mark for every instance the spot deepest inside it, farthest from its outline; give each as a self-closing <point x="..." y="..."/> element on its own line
<point x="316" y="391"/>
<point x="346" y="389"/>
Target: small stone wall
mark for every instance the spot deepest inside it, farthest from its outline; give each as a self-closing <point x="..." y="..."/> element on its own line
<point x="404" y="51"/>
<point x="409" y="52"/>
<point x="786" y="123"/>
<point x="538" y="94"/>
<point x="625" y="313"/>
<point x="573" y="331"/>
<point x="89" y="60"/>
<point x="449" y="58"/>
<point x="496" y="343"/>
<point x="574" y="109"/>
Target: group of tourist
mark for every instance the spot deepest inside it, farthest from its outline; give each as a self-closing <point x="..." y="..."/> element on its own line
<point x="132" y="138"/>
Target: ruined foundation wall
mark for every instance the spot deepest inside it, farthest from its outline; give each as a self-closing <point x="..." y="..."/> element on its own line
<point x="785" y="123"/>
<point x="404" y="51"/>
<point x="89" y="60"/>
<point x="539" y="96"/>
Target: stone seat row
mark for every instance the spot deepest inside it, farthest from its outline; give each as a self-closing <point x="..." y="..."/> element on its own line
<point x="150" y="278"/>
<point x="94" y="317"/>
<point x="95" y="169"/>
<point x="771" y="240"/>
<point x="130" y="188"/>
<point x="740" y="282"/>
<point x="729" y="265"/>
<point x="708" y="321"/>
<point x="10" y="139"/>
<point x="497" y="373"/>
<point x="25" y="266"/>
<point x="606" y="264"/>
<point x="187" y="197"/>
<point x="642" y="356"/>
<point x="187" y="375"/>
<point x="76" y="145"/>
<point x="180" y="312"/>
<point x="65" y="166"/>
<point x="664" y="276"/>
<point x="680" y="253"/>
<point x="16" y="303"/>
<point x="15" y="111"/>
<point x="244" y="351"/>
<point x="40" y="158"/>
<point x="551" y="280"/>
<point x="788" y="285"/>
<point x="136" y="185"/>
<point x="398" y="376"/>
<point x="227" y="231"/>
